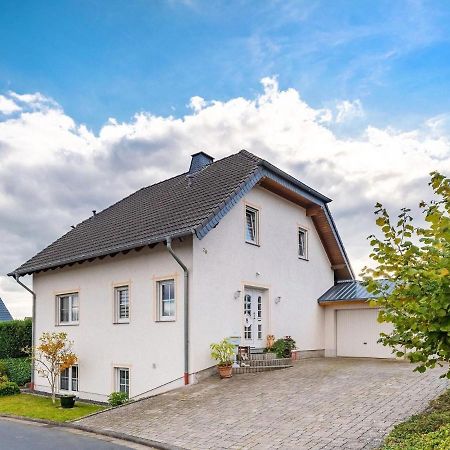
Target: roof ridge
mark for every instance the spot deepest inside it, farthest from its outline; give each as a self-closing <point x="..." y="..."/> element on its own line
<point x="250" y="155"/>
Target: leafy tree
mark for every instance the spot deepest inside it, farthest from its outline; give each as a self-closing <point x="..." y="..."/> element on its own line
<point x="416" y="261"/>
<point x="52" y="356"/>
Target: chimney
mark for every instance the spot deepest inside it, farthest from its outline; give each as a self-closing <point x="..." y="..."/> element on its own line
<point x="199" y="161"/>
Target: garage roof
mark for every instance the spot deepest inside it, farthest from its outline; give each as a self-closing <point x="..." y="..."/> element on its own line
<point x="350" y="290"/>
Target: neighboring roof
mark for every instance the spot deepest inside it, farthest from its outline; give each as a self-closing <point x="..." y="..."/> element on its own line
<point x="183" y="205"/>
<point x="350" y="290"/>
<point x="4" y="313"/>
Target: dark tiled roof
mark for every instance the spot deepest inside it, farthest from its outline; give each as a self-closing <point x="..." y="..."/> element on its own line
<point x="171" y="208"/>
<point x="176" y="207"/>
<point x="4" y="313"/>
<point x="351" y="290"/>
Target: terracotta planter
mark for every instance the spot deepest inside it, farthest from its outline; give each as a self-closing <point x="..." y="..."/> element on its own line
<point x="225" y="371"/>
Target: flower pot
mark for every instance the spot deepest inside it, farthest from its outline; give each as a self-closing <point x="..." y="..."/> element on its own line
<point x="67" y="401"/>
<point x="225" y="371"/>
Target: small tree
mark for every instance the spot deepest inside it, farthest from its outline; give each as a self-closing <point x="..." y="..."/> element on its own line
<point x="416" y="260"/>
<point x="52" y="356"/>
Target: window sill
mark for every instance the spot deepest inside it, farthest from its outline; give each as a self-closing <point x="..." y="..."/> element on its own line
<point x="121" y="323"/>
<point x="74" y="324"/>
<point x="255" y="244"/>
<point x="303" y="258"/>
<point x="165" y="320"/>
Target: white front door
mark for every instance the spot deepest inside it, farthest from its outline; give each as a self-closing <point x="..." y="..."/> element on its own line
<point x="254" y="319"/>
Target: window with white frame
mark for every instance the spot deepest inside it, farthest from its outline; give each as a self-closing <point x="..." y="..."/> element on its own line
<point x="121" y="304"/>
<point x="67" y="309"/>
<point x="166" y="300"/>
<point x="251" y="225"/>
<point x="302" y="243"/>
<point x="68" y="379"/>
<point x="122" y="375"/>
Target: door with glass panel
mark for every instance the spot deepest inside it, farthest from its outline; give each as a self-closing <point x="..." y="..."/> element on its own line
<point x="254" y="319"/>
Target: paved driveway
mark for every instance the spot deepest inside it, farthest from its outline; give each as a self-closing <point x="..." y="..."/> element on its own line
<point x="317" y="404"/>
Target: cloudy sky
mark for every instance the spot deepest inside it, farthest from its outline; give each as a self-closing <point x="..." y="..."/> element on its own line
<point x="350" y="97"/>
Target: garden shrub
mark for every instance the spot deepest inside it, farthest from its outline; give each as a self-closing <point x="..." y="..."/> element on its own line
<point x="17" y="369"/>
<point x="429" y="430"/>
<point x="8" y="388"/>
<point x="416" y="425"/>
<point x="3" y="368"/>
<point x="435" y="440"/>
<point x="15" y="337"/>
<point x="117" y="398"/>
<point x="283" y="347"/>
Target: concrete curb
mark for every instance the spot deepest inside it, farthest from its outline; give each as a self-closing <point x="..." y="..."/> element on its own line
<point x="112" y="434"/>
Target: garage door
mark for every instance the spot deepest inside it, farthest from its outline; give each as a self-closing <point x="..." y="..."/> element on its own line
<point x="358" y="332"/>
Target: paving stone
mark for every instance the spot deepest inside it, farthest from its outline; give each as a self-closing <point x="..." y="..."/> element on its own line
<point x="324" y="403"/>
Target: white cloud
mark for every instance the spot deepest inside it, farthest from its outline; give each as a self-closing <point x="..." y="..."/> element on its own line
<point x="349" y="110"/>
<point x="7" y="106"/>
<point x="197" y="103"/>
<point x="55" y="171"/>
<point x="34" y="101"/>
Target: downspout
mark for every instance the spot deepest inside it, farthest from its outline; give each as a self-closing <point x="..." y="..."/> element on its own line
<point x="186" y="309"/>
<point x="33" y="325"/>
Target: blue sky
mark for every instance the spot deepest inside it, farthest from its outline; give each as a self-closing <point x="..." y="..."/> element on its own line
<point x="101" y="59"/>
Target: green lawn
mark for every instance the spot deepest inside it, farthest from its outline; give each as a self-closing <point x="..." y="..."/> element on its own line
<point x="427" y="431"/>
<point x="40" y="407"/>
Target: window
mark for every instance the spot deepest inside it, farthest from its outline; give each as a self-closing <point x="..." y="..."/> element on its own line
<point x="68" y="380"/>
<point x="247" y="317"/>
<point x="302" y="243"/>
<point x="121" y="305"/>
<point x="166" y="300"/>
<point x="67" y="309"/>
<point x="123" y="380"/>
<point x="251" y="225"/>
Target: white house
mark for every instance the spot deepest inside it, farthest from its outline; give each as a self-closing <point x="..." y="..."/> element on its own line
<point x="232" y="248"/>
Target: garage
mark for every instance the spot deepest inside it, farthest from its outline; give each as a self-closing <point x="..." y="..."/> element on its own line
<point x="357" y="333"/>
<point x="351" y="326"/>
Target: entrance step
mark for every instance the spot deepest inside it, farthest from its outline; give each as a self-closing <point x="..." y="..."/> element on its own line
<point x="262" y="365"/>
<point x="260" y="356"/>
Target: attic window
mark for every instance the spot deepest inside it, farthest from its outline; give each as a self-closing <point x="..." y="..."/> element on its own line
<point x="251" y="225"/>
<point x="302" y="243"/>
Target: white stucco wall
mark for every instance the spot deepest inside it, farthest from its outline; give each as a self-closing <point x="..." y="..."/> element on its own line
<point x="220" y="264"/>
<point x="224" y="263"/>
<point x="152" y="350"/>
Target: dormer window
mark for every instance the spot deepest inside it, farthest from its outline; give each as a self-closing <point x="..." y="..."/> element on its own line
<point x="251" y="225"/>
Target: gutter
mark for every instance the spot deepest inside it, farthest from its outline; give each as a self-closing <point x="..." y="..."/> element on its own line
<point x="186" y="308"/>
<point x="33" y="325"/>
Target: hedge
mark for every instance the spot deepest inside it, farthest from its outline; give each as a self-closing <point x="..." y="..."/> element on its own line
<point x="17" y="370"/>
<point x="15" y="335"/>
<point x="8" y="388"/>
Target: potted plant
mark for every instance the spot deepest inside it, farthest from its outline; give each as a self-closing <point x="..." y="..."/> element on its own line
<point x="67" y="401"/>
<point x="223" y="353"/>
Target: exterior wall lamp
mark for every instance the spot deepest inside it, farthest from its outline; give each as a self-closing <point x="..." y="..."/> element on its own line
<point x="277" y="300"/>
<point x="237" y="295"/>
